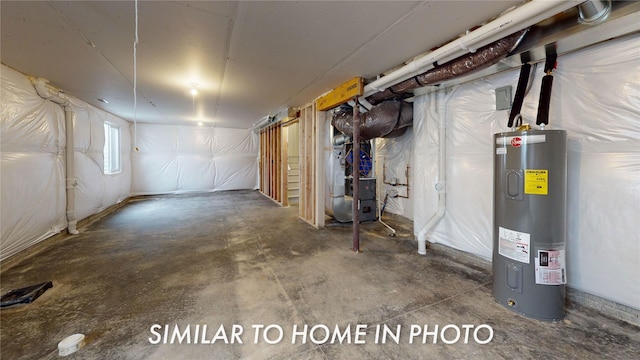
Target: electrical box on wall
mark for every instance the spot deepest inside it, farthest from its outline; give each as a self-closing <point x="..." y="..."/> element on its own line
<point x="504" y="98"/>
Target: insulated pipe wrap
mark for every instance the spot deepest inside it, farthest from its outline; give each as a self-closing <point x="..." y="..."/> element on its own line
<point x="342" y="120"/>
<point x="523" y="82"/>
<point x="483" y="58"/>
<point x="387" y="119"/>
<point x="545" y="100"/>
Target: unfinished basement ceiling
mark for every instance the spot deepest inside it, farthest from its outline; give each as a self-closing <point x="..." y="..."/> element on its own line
<point x="248" y="59"/>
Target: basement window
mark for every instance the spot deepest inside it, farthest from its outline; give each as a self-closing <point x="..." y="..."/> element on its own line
<point x="111" y="149"/>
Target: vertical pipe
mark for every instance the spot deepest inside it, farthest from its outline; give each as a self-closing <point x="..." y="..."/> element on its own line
<point x="542" y="119"/>
<point x="52" y="94"/>
<point x="356" y="179"/>
<point x="439" y="100"/>
<point x="71" y="181"/>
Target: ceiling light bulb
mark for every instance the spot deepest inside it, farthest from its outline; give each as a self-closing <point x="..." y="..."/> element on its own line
<point x="194" y="91"/>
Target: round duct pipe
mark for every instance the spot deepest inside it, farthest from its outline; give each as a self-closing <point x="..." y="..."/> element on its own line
<point x="481" y="59"/>
<point x="593" y="12"/>
<point x="340" y="139"/>
<point x="388" y="119"/>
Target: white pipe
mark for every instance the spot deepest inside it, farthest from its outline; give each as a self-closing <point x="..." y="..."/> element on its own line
<point x="364" y="104"/>
<point x="519" y="18"/>
<point x="441" y="185"/>
<point x="393" y="231"/>
<point x="72" y="182"/>
<point x="52" y="94"/>
<point x="261" y="123"/>
<point x="48" y="92"/>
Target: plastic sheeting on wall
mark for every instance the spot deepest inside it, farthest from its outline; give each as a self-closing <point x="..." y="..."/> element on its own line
<point x="32" y="164"/>
<point x="179" y="159"/>
<point x="393" y="159"/>
<point x="96" y="191"/>
<point x="596" y="98"/>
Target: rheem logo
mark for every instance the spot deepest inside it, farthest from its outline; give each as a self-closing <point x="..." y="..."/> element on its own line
<point x="516" y="141"/>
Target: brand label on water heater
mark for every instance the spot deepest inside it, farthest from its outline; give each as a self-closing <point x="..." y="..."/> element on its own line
<point x="514" y="244"/>
<point x="536" y="182"/>
<point x="517" y="141"/>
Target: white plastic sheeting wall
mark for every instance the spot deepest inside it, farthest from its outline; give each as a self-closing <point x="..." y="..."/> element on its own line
<point x="32" y="164"/>
<point x="393" y="157"/>
<point x="596" y="98"/>
<point x="96" y="191"/>
<point x="179" y="159"/>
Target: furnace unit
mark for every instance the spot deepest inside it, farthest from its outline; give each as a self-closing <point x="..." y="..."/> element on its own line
<point x="529" y="230"/>
<point x="339" y="202"/>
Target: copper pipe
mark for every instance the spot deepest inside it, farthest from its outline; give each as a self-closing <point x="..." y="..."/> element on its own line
<point x="384" y="180"/>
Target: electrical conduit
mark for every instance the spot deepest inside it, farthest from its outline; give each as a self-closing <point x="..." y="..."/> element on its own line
<point x="49" y="93"/>
<point x="438" y="101"/>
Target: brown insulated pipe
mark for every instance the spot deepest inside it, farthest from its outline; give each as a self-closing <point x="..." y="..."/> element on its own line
<point x="463" y="65"/>
<point x="388" y="119"/>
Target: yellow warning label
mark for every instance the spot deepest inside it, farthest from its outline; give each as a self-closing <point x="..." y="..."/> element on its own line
<point x="536" y="182"/>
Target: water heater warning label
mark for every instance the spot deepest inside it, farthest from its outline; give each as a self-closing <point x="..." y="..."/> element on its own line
<point x="536" y="182"/>
<point x="514" y="244"/>
<point x="550" y="265"/>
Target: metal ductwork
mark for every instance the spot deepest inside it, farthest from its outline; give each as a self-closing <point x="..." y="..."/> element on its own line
<point x="593" y="12"/>
<point x="386" y="120"/>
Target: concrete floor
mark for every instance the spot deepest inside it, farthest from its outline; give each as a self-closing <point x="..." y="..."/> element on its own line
<point x="236" y="258"/>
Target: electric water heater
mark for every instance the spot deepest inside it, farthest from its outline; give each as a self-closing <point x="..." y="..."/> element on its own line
<point x="529" y="230"/>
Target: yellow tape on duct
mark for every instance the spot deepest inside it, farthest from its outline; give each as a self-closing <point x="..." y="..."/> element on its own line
<point x="341" y="94"/>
